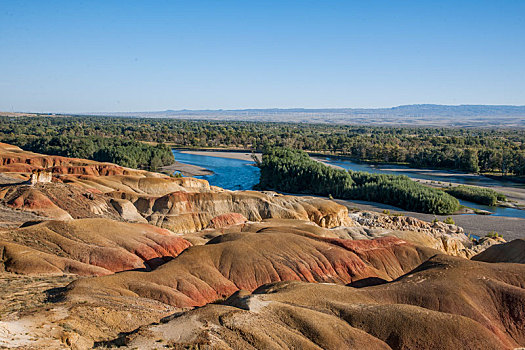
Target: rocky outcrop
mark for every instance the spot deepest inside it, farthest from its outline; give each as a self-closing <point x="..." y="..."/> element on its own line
<point x="87" y="247"/>
<point x="127" y="210"/>
<point x="447" y="238"/>
<point x="404" y="223"/>
<point x="186" y="212"/>
<point x="31" y="199"/>
<point x="58" y="201"/>
<point x="40" y="176"/>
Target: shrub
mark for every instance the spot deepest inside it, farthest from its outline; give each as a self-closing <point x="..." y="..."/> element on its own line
<point x="449" y="221"/>
<point x="493" y="234"/>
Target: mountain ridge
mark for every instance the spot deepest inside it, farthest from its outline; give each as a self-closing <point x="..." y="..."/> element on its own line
<point x="416" y="114"/>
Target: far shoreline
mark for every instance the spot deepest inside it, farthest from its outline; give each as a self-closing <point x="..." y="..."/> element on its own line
<point x="229" y="154"/>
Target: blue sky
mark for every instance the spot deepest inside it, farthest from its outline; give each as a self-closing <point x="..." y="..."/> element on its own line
<point x="82" y="56"/>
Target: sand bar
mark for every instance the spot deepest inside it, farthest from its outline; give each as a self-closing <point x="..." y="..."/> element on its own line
<point x="185" y="169"/>
<point x="247" y="156"/>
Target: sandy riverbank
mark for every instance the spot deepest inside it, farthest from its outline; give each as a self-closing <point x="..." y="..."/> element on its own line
<point x="244" y="156"/>
<point x="226" y="154"/>
<point x="185" y="169"/>
<point x="515" y="195"/>
<point x="321" y="160"/>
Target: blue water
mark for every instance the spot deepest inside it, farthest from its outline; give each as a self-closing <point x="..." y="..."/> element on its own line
<point x="234" y="174"/>
<point x="231" y="174"/>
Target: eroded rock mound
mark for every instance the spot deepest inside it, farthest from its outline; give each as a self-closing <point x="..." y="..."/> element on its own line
<point x="511" y="252"/>
<point x="87" y="247"/>
<point x="189" y="212"/>
<point x="203" y="274"/>
<point x="443" y="304"/>
<point x="58" y="201"/>
<point x="226" y="220"/>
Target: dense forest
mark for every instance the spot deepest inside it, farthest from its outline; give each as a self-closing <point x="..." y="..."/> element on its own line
<point x="472" y="150"/>
<point x="294" y="171"/>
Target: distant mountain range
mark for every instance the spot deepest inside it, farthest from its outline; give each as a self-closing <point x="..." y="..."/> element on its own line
<point x="422" y="114"/>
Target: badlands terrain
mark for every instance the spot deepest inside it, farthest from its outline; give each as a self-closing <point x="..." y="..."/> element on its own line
<point x="94" y="255"/>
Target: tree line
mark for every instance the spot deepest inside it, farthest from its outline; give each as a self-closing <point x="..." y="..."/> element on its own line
<point x="479" y="195"/>
<point x="288" y="170"/>
<point x="471" y="150"/>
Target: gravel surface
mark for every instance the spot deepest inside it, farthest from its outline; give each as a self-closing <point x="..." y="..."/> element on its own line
<point x="480" y="225"/>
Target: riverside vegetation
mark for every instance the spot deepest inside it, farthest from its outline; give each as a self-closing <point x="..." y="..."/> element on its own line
<point x="485" y="196"/>
<point x="472" y="150"/>
<point x="289" y="170"/>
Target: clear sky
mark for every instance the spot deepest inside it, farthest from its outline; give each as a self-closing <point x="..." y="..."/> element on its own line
<point x="87" y="56"/>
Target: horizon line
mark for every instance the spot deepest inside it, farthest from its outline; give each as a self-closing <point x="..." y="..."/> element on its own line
<point x="270" y="109"/>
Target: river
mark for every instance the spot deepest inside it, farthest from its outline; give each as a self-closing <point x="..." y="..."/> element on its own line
<point x="231" y="174"/>
<point x="235" y="174"/>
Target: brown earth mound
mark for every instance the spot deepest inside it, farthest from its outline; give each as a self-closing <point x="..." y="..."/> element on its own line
<point x="226" y="220"/>
<point x="190" y="212"/>
<point x="147" y="183"/>
<point x="203" y="274"/>
<point x="443" y="304"/>
<point x="58" y="201"/>
<point x="87" y="247"/>
<point x="511" y="252"/>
